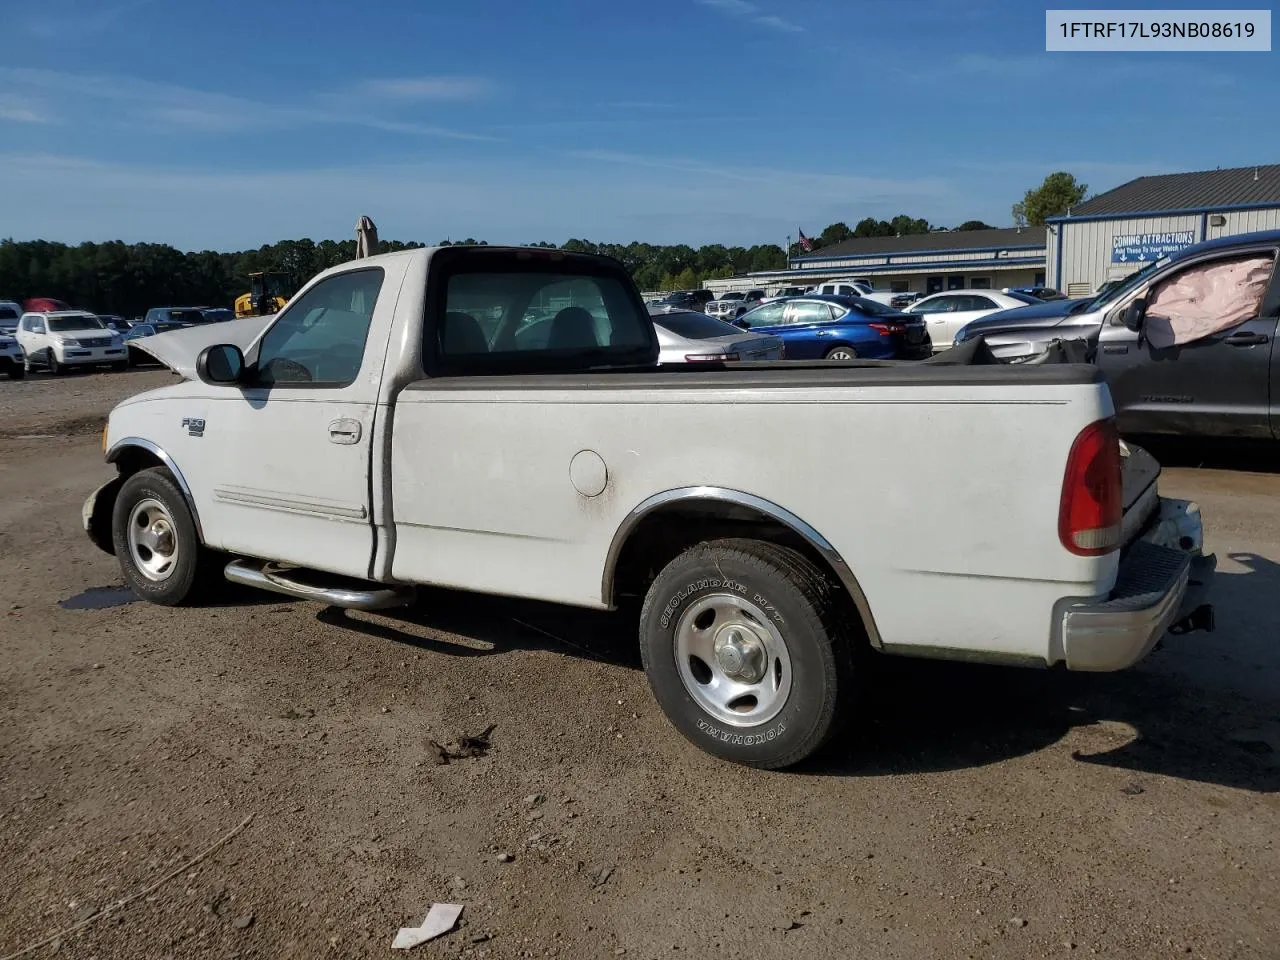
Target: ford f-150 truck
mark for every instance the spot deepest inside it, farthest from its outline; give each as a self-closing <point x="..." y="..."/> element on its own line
<point x="493" y="420"/>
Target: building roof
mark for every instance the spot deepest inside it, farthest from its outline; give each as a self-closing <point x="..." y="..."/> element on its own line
<point x="929" y="242"/>
<point x="1188" y="191"/>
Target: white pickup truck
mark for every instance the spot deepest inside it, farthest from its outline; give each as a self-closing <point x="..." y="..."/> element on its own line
<point x="492" y="420"/>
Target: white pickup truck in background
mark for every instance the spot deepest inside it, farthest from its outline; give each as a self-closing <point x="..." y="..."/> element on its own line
<point x="492" y="420"/>
<point x="863" y="289"/>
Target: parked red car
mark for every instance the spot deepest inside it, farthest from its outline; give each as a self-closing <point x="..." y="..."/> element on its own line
<point x="45" y="305"/>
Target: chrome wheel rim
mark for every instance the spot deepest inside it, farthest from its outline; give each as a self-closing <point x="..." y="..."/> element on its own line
<point x="153" y="540"/>
<point x="840" y="355"/>
<point x="732" y="660"/>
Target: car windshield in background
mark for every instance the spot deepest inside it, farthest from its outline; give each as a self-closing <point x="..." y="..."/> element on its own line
<point x="1110" y="296"/>
<point x="1024" y="297"/>
<point x="186" y="316"/>
<point x="733" y="296"/>
<point x="694" y="326"/>
<point x="68" y="324"/>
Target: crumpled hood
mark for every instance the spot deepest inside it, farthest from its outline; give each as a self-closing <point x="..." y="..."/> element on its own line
<point x="1035" y="315"/>
<point x="178" y="349"/>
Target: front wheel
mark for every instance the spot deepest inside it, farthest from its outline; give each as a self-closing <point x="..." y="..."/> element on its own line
<point x="55" y="368"/>
<point x="841" y="353"/>
<point x="17" y="371"/>
<point x="120" y="365"/>
<point x="742" y="645"/>
<point x="155" y="540"/>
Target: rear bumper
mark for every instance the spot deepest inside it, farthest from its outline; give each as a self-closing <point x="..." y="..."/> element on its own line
<point x="1164" y="582"/>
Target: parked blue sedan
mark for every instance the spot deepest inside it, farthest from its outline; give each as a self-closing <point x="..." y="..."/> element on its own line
<point x="832" y="327"/>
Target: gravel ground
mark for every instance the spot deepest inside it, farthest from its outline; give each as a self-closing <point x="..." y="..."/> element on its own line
<point x="967" y="812"/>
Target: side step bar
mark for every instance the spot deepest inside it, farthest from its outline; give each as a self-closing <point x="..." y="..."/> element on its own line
<point x="322" y="587"/>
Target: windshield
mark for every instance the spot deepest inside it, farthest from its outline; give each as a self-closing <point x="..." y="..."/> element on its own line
<point x="81" y="322"/>
<point x="1116" y="292"/>
<point x="737" y="295"/>
<point x="1023" y="297"/>
<point x="186" y="316"/>
<point x="695" y="326"/>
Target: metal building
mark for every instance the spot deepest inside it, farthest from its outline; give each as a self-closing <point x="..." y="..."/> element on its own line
<point x="918" y="263"/>
<point x="1115" y="233"/>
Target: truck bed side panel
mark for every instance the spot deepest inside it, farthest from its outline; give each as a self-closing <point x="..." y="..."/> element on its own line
<point x="942" y="499"/>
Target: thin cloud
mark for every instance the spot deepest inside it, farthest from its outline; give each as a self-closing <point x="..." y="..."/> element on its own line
<point x="16" y="110"/>
<point x="174" y="107"/>
<point x="749" y="12"/>
<point x="1057" y="66"/>
<point x="83" y="23"/>
<point x="501" y="199"/>
<point x="437" y="89"/>
<point x="798" y="181"/>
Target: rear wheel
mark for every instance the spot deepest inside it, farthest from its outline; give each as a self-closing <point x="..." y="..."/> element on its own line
<point x="743" y="647"/>
<point x="841" y="353"/>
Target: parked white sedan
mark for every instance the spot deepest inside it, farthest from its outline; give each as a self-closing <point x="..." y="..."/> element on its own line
<point x="946" y="313"/>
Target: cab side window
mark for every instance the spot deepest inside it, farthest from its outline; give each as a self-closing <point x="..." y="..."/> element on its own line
<point x="319" y="340"/>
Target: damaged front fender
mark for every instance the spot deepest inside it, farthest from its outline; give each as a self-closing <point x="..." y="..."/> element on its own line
<point x="96" y="513"/>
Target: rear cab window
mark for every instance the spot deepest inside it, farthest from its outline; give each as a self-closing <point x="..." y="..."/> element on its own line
<point x="515" y="311"/>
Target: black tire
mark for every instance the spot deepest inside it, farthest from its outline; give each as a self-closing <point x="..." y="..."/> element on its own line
<point x="834" y="353"/>
<point x="798" y="606"/>
<point x="51" y="361"/>
<point x="17" y="371"/>
<point x="190" y="575"/>
<point x="120" y="365"/>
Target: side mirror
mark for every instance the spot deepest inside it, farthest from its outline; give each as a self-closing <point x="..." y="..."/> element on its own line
<point x="219" y="364"/>
<point x="1134" y="314"/>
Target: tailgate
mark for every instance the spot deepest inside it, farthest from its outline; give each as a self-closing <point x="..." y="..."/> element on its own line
<point x="1139" y="472"/>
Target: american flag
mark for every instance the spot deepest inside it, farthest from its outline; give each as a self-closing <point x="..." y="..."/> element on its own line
<point x="804" y="242"/>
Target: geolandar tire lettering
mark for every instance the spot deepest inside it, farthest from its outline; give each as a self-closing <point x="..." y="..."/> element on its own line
<point x="746" y="651"/>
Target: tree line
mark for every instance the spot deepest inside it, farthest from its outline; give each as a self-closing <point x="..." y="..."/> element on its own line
<point x="129" y="278"/>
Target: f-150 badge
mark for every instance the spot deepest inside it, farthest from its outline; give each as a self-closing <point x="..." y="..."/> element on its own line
<point x="194" y="425"/>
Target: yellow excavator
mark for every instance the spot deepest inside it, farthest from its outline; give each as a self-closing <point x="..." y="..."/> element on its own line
<point x="268" y="293"/>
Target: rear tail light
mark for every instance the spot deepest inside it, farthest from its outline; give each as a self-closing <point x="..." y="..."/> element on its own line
<point x="887" y="329"/>
<point x="1090" y="512"/>
<point x="704" y="357"/>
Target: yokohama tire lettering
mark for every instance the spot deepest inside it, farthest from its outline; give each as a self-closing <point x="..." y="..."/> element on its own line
<point x="742" y="739"/>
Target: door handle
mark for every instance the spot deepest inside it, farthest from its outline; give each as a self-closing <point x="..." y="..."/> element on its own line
<point x="1246" y="339"/>
<point x="344" y="430"/>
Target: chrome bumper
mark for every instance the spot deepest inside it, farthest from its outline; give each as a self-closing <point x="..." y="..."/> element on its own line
<point x="1163" y="582"/>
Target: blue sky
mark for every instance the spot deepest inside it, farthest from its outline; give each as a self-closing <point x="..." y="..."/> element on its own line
<point x="231" y="124"/>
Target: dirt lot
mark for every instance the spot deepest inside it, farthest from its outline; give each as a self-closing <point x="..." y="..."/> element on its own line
<point x="968" y="812"/>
